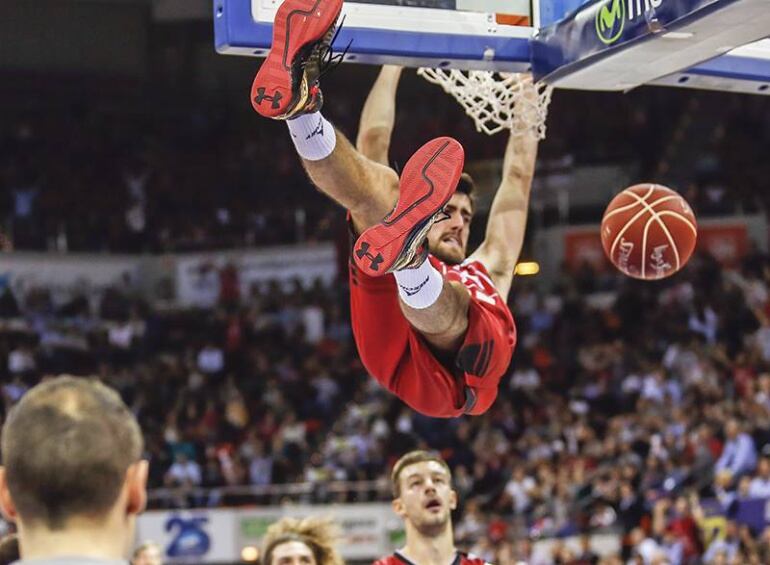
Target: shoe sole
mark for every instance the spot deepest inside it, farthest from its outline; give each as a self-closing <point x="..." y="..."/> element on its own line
<point x="297" y="23"/>
<point x="427" y="183"/>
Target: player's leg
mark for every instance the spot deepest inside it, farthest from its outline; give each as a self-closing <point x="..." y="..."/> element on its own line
<point x="407" y="364"/>
<point x="468" y="331"/>
<point x="379" y="115"/>
<point x="444" y="322"/>
<point x="365" y="188"/>
<point x="395" y="354"/>
<point x="435" y="307"/>
<point x="286" y="87"/>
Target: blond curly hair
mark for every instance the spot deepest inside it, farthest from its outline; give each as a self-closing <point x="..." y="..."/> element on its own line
<point x="318" y="534"/>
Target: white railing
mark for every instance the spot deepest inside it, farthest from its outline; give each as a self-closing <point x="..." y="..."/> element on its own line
<point x="320" y="492"/>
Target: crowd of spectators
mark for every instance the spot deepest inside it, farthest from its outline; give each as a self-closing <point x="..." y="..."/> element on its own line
<point x="150" y="185"/>
<point x="204" y="175"/>
<point x="639" y="408"/>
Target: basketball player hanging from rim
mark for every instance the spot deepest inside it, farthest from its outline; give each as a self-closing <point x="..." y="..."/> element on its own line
<point x="431" y="323"/>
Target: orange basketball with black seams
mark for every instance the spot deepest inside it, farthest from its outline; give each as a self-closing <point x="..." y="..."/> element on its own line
<point x="649" y="231"/>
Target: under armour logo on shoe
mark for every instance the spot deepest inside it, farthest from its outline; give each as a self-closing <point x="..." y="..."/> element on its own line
<point x="363" y="251"/>
<point x="273" y="99"/>
<point x="319" y="129"/>
<point x="412" y="290"/>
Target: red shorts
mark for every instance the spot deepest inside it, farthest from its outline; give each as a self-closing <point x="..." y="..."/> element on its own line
<point x="400" y="359"/>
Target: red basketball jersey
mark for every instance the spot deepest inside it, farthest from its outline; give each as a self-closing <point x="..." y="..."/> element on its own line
<point x="460" y="559"/>
<point x="473" y="276"/>
<point x="399" y="358"/>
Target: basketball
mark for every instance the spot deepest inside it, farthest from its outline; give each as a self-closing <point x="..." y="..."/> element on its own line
<point x="649" y="231"/>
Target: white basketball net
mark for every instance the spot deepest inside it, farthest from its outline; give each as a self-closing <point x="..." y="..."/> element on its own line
<point x="496" y="101"/>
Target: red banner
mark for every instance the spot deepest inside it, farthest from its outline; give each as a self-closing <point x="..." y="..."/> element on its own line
<point x="727" y="242"/>
<point x="583" y="245"/>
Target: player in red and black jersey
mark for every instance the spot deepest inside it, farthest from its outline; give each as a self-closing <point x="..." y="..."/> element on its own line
<point x="430" y="322"/>
<point x="424" y="499"/>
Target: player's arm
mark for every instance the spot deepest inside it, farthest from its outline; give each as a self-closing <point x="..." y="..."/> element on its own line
<point x="379" y="115"/>
<point x="507" y="223"/>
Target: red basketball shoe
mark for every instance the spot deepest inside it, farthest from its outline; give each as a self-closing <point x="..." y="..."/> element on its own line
<point x="286" y="84"/>
<point x="427" y="183"/>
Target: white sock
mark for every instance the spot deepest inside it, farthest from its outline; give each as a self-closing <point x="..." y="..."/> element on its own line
<point x="313" y="136"/>
<point x="420" y="287"/>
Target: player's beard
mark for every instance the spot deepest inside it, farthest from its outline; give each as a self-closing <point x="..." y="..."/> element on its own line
<point x="433" y="526"/>
<point x="447" y="257"/>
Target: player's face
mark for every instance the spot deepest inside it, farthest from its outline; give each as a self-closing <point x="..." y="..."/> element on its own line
<point x="293" y="553"/>
<point x="427" y="498"/>
<point x="448" y="239"/>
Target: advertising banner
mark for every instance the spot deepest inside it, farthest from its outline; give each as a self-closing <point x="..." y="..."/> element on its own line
<point x="195" y="536"/>
<point x="198" y="275"/>
<point x="369" y="530"/>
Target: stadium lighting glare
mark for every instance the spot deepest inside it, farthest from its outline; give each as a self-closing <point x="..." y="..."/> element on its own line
<point x="528" y="268"/>
<point x="249" y="554"/>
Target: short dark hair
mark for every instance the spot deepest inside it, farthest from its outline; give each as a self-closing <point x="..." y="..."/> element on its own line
<point x="466" y="185"/>
<point x="66" y="447"/>
<point x="412" y="458"/>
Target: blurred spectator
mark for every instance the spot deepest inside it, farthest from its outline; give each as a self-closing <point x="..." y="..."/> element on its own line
<point x="183" y="473"/>
<point x="520" y="489"/>
<point x="739" y="455"/>
<point x="21" y="361"/>
<point x="760" y="483"/>
<point x="724" y="548"/>
<point x="586" y="556"/>
<point x="211" y="359"/>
